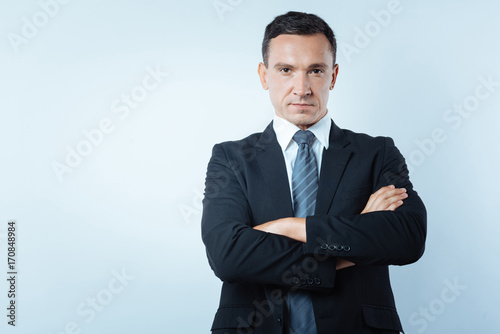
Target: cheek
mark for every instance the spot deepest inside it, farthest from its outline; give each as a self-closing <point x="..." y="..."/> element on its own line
<point x="277" y="97"/>
<point x="279" y="91"/>
<point x="322" y="93"/>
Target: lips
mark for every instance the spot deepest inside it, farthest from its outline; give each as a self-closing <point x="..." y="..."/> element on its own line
<point x="301" y="105"/>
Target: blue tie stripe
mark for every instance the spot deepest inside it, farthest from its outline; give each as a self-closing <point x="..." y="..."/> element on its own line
<point x="300" y="208"/>
<point x="304" y="190"/>
<point x="299" y="197"/>
<point x="305" y="178"/>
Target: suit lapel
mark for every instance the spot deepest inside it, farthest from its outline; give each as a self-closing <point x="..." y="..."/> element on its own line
<point x="333" y="164"/>
<point x="272" y="165"/>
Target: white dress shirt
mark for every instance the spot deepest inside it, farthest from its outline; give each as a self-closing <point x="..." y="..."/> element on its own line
<point x="284" y="133"/>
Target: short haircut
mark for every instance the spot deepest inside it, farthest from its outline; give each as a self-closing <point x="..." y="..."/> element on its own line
<point x="297" y="23"/>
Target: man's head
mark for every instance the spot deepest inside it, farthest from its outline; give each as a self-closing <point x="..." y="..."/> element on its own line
<point x="297" y="23"/>
<point x="299" y="66"/>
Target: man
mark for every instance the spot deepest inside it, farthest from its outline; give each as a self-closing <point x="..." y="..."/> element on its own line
<point x="301" y="221"/>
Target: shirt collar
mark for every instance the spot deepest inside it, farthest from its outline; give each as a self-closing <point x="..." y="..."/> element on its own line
<point x="285" y="130"/>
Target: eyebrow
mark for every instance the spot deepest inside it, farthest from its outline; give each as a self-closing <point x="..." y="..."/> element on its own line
<point x="316" y="65"/>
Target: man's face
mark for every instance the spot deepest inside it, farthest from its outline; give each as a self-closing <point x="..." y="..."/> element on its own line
<point x="299" y="77"/>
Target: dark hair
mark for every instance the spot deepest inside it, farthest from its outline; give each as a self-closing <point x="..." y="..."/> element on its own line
<point x="297" y="23"/>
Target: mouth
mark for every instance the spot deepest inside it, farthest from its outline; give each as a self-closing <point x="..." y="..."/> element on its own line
<point x="302" y="105"/>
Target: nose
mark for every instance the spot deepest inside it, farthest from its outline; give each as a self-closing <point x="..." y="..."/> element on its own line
<point x="301" y="86"/>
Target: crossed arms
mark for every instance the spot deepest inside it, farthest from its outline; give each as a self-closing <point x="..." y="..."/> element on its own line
<point x="387" y="198"/>
<point x="239" y="249"/>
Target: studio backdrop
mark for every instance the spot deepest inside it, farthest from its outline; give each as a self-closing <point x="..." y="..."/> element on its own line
<point x="109" y="112"/>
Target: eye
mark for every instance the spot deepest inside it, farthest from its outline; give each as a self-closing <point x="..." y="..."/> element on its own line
<point x="317" y="71"/>
<point x="285" y="70"/>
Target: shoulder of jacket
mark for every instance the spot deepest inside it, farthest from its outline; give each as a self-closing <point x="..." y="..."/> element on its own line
<point x="365" y="139"/>
<point x="248" y="141"/>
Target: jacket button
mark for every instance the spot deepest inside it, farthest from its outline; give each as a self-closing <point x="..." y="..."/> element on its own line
<point x="280" y="322"/>
<point x="346" y="248"/>
<point x="317" y="281"/>
<point x="295" y="280"/>
<point x="302" y="281"/>
<point x="332" y="247"/>
<point x="310" y="281"/>
<point x="324" y="246"/>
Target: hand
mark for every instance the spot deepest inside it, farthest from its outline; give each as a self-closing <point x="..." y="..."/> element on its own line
<point x="292" y="227"/>
<point x="343" y="263"/>
<point x="387" y="198"/>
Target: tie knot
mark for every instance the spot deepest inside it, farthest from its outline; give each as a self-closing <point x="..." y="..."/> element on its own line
<point x="303" y="137"/>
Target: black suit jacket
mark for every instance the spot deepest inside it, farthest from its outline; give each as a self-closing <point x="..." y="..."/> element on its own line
<point x="247" y="185"/>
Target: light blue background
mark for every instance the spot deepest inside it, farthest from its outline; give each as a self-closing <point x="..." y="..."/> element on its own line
<point x="133" y="203"/>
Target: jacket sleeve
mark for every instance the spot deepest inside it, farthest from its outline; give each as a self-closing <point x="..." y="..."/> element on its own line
<point x="238" y="253"/>
<point x="376" y="238"/>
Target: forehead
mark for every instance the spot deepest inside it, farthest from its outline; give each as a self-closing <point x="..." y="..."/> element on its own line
<point x="300" y="49"/>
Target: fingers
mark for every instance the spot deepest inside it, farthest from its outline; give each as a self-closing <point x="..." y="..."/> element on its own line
<point x="386" y="198"/>
<point x="394" y="205"/>
<point x="384" y="189"/>
<point x="393" y="198"/>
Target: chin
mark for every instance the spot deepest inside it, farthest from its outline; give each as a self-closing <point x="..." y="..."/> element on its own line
<point x="305" y="118"/>
<point x="302" y="121"/>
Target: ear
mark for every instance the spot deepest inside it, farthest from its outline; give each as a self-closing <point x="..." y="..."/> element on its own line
<point x="262" y="70"/>
<point x="334" y="76"/>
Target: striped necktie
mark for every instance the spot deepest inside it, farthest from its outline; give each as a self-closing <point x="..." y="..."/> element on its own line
<point x="304" y="189"/>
